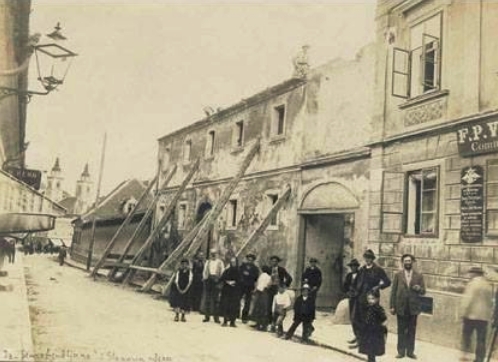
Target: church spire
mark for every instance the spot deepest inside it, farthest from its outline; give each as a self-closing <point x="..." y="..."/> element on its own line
<point x="57" y="167"/>
<point x="85" y="171"/>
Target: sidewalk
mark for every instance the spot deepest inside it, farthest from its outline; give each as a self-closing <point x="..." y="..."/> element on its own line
<point x="16" y="342"/>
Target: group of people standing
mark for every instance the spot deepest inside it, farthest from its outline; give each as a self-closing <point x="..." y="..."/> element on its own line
<point x="368" y="318"/>
<point x="217" y="291"/>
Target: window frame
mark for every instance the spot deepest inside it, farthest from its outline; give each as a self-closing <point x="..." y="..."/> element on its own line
<point x="408" y="72"/>
<point x="486" y="195"/>
<point x="275" y="121"/>
<point x="234" y="214"/>
<point x="237" y="135"/>
<point x="437" y="211"/>
<point x="187" y="160"/>
<point x="210" y="144"/>
<point x="269" y="194"/>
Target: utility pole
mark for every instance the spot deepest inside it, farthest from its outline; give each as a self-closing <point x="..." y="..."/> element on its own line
<point x="97" y="197"/>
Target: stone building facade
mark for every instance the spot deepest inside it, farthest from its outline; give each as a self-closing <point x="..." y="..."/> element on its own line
<point x="434" y="154"/>
<point x="312" y="131"/>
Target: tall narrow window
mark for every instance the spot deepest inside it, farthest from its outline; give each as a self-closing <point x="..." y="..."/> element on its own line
<point x="272" y="200"/>
<point x="210" y="144"/>
<point x="238" y="140"/>
<point x="492" y="198"/>
<point x="182" y="214"/>
<point x="187" y="148"/>
<point x="232" y="213"/>
<point x="422" y="212"/>
<point x="279" y="121"/>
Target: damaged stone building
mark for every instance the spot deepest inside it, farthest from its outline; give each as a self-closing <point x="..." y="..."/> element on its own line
<point x="312" y="132"/>
<point x="434" y="157"/>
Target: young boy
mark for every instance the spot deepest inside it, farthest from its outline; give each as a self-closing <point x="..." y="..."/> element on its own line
<point x="373" y="341"/>
<point x="281" y="304"/>
<point x="304" y="312"/>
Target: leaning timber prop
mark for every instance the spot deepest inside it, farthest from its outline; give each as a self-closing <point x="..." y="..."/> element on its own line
<point x="164" y="219"/>
<point x="141" y="225"/>
<point x="171" y="263"/>
<point x="125" y="223"/>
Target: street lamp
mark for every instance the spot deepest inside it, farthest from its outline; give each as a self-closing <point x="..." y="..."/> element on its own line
<point x="52" y="64"/>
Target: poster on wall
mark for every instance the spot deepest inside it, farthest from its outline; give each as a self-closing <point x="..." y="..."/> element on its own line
<point x="471" y="204"/>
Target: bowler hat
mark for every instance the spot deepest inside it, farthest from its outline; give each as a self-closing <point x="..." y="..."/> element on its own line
<point x="305" y="286"/>
<point x="184" y="260"/>
<point x="354" y="262"/>
<point x="274" y="257"/>
<point x="369" y="254"/>
<point x="313" y="260"/>
<point x="251" y="256"/>
<point x="476" y="270"/>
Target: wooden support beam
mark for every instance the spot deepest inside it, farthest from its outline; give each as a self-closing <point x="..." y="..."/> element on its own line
<point x="125" y="223"/>
<point x="167" y="213"/>
<point x="214" y="213"/>
<point x="177" y="253"/>
<point x="142" y="223"/>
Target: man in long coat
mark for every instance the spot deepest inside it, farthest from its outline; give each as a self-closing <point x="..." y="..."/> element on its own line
<point x="371" y="278"/>
<point x="408" y="285"/>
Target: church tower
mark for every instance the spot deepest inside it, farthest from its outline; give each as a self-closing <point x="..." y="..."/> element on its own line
<point x="54" y="183"/>
<point x="84" y="192"/>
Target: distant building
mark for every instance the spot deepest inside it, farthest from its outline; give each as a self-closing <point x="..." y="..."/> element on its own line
<point x="110" y="214"/>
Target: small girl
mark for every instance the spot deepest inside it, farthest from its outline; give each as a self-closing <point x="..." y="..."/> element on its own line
<point x="180" y="299"/>
<point x="373" y="341"/>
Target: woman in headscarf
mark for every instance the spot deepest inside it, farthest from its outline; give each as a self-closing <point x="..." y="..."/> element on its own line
<point x="180" y="296"/>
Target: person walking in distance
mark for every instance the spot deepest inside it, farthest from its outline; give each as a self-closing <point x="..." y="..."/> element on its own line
<point x="249" y="274"/>
<point x="62" y="255"/>
<point x="408" y="285"/>
<point x="371" y="278"/>
<point x="197" y="286"/>
<point x="476" y="310"/>
<point x="211" y="275"/>
<point x="350" y="289"/>
<point x="180" y="299"/>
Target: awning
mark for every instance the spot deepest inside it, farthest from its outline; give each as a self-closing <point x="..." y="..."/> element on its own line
<point x="25" y="222"/>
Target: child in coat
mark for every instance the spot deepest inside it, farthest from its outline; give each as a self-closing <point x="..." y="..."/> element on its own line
<point x="304" y="312"/>
<point x="373" y="341"/>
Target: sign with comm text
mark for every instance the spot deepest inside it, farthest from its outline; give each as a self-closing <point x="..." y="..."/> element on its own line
<point x="471" y="204"/>
<point x="478" y="138"/>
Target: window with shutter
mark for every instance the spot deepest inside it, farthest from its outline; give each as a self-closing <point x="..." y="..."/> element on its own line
<point x="492" y="198"/>
<point x="392" y="202"/>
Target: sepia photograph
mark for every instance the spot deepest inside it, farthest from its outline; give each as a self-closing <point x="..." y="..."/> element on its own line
<point x="248" y="181"/>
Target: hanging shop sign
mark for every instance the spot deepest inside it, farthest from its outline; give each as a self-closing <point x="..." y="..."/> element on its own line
<point x="471" y="204"/>
<point x="29" y="177"/>
<point x="478" y="138"/>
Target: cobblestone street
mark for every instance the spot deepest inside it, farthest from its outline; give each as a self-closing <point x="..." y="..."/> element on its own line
<point x="76" y="319"/>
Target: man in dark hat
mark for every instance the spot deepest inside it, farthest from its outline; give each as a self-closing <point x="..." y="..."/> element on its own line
<point x="304" y="312"/>
<point x="349" y="288"/>
<point x="279" y="275"/>
<point x="476" y="310"/>
<point x="408" y="286"/>
<point x="313" y="277"/>
<point x="371" y="277"/>
<point x="249" y="274"/>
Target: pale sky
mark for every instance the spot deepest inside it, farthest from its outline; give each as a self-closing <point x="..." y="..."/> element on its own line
<point x="148" y="68"/>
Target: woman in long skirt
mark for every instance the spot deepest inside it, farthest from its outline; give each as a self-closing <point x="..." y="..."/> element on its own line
<point x="260" y="300"/>
<point x="230" y="293"/>
<point x="180" y="296"/>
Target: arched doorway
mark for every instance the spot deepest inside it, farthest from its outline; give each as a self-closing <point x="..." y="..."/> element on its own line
<point x="204" y="208"/>
<point x="326" y="212"/>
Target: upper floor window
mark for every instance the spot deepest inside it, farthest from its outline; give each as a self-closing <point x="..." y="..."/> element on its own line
<point x="182" y="215"/>
<point x="232" y="213"/>
<point x="417" y="70"/>
<point x="210" y="144"/>
<point x="165" y="158"/>
<point x="278" y="124"/>
<point x="187" y="148"/>
<point x="238" y="134"/>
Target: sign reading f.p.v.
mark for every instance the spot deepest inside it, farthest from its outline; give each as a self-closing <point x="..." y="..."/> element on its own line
<point x="478" y="138"/>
